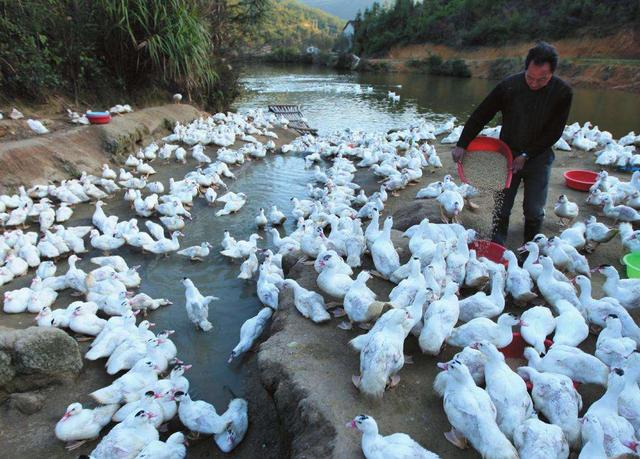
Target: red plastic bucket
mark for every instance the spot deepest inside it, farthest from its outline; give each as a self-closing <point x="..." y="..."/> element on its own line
<point x="580" y="180"/>
<point x="482" y="143"/>
<point x="489" y="250"/>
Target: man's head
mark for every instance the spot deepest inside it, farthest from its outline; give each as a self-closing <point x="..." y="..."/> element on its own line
<point x="539" y="65"/>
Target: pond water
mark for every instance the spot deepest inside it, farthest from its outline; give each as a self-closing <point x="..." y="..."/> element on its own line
<point x="336" y="100"/>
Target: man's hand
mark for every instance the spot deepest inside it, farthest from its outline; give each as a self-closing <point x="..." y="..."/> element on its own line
<point x="457" y="154"/>
<point x="518" y="164"/>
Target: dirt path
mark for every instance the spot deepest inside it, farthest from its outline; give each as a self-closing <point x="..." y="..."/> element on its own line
<point x="65" y="153"/>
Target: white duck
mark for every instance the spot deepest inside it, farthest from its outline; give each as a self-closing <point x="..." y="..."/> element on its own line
<point x="472" y="358"/>
<point x="250" y="266"/>
<point x="360" y="303"/>
<point x="196" y="252"/>
<point x="83" y="320"/>
<point x="535" y="439"/>
<point x="626" y="291"/>
<point x="250" y="330"/>
<point x="174" y="448"/>
<point x="620" y="212"/>
<point x="197" y="305"/>
<point x="597" y="310"/>
<point x="593" y="435"/>
<point x="472" y="415"/>
<point x="236" y="422"/>
<point x="477" y="274"/>
<point x="164" y="246"/>
<point x="555" y="396"/>
<point x="79" y="424"/>
<point x="385" y="257"/>
<point x="451" y="204"/>
<point x="619" y="435"/>
<point x="611" y="347"/>
<point x="536" y="324"/>
<point x="142" y="374"/>
<point x="334" y="278"/>
<point x="482" y="305"/>
<point x="402" y="295"/>
<point x="519" y="283"/>
<point x="148" y="402"/>
<point x="261" y="219"/>
<point x="276" y="217"/>
<point x="552" y="289"/>
<point x="571" y="327"/>
<point x="499" y="334"/>
<point x="439" y="319"/>
<point x="395" y="446"/>
<point x="575" y="235"/>
<point x="569" y="361"/>
<point x="131" y="435"/>
<point x="566" y="210"/>
<point x="310" y="304"/>
<point x="233" y="205"/>
<point x="629" y="399"/>
<point x="507" y="390"/>
<point x="239" y="249"/>
<point x="198" y="415"/>
<point x="382" y="356"/>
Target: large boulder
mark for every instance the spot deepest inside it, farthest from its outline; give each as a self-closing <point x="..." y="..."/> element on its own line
<point x="414" y="212"/>
<point x="7" y="372"/>
<point x="37" y="357"/>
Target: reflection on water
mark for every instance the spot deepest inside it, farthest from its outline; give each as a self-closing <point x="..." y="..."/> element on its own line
<point x="337" y="100"/>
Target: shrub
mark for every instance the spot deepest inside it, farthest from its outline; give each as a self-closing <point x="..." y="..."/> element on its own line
<point x="503" y="67"/>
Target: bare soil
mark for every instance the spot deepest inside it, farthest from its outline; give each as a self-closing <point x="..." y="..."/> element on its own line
<point x="66" y="152"/>
<point x="606" y="62"/>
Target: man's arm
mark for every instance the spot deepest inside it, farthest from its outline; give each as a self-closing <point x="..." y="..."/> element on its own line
<point x="481" y="116"/>
<point x="552" y="131"/>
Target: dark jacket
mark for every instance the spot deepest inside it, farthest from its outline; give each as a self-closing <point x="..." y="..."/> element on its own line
<point x="532" y="121"/>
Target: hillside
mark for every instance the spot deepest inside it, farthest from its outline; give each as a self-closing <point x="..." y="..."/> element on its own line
<point x="290" y="24"/>
<point x="473" y="23"/>
<point x="343" y="9"/>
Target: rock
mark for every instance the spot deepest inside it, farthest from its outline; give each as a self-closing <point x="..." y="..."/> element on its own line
<point x="7" y="372"/>
<point x="43" y="356"/>
<point x="289" y="260"/>
<point x="27" y="402"/>
<point x="413" y="213"/>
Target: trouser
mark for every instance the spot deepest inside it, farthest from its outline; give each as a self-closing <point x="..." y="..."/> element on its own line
<point x="535" y="175"/>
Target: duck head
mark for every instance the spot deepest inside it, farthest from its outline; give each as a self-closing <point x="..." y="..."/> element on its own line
<point x="72" y="410"/>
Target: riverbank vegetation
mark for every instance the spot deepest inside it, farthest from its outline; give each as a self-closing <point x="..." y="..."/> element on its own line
<point x="93" y="48"/>
<point x="467" y="23"/>
<point x="435" y="65"/>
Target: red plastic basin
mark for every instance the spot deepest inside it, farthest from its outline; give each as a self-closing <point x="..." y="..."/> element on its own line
<point x="482" y="143"/>
<point x="580" y="180"/>
<point x="98" y="117"/>
<point x="489" y="250"/>
<point x="515" y="350"/>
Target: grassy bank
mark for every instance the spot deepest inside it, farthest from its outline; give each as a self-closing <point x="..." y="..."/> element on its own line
<point x="90" y="50"/>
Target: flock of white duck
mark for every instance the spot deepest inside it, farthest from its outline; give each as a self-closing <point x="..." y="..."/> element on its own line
<point x="433" y="297"/>
<point x="433" y="300"/>
<point x="140" y="400"/>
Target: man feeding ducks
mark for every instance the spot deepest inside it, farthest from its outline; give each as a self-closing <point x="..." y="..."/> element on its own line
<point x="535" y="106"/>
